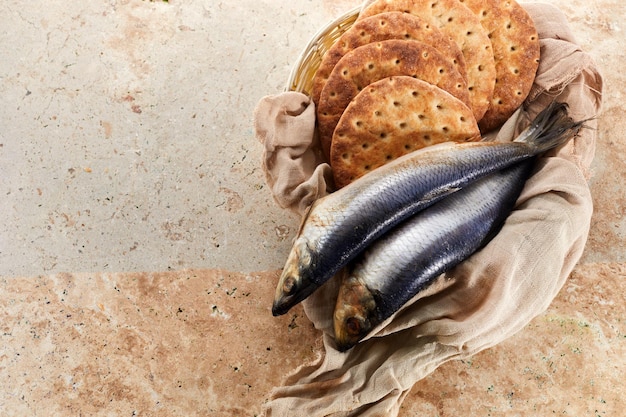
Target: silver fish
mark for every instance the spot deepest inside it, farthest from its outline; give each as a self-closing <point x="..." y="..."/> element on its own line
<point x="339" y="226"/>
<point x="407" y="259"/>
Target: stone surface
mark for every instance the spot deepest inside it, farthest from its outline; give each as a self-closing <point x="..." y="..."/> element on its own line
<point x="204" y="343"/>
<point x="127" y="146"/>
<point x="193" y="343"/>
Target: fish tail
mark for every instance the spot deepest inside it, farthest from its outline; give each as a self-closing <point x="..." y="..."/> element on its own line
<point x="551" y="128"/>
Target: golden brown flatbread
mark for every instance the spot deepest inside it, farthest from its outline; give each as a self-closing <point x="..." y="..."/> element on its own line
<point x="382" y="27"/>
<point x="374" y="61"/>
<point x="392" y="117"/>
<point x="459" y="23"/>
<point x="515" y="45"/>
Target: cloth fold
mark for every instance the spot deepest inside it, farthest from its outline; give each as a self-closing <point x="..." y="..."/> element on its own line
<point x="481" y="302"/>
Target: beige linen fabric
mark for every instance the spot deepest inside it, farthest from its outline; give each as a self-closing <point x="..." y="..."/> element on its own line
<point x="478" y="304"/>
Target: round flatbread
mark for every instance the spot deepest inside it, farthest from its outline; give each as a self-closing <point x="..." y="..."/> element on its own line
<point x="374" y="61"/>
<point x="392" y="117"/>
<point x="462" y="26"/>
<point x="382" y="27"/>
<point x="515" y="45"/>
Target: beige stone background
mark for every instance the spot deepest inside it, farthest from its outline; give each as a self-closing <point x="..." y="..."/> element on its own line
<point x="139" y="246"/>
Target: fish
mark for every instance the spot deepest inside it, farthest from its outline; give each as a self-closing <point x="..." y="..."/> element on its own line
<point x="339" y="226"/>
<point x="409" y="258"/>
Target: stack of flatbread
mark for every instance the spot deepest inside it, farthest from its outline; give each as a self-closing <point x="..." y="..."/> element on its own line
<point x="413" y="73"/>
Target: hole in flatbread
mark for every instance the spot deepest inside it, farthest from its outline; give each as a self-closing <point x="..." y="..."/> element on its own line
<point x="469" y="32"/>
<point x="407" y="146"/>
<point x="450" y="19"/>
<point x="366" y="167"/>
<point x="345" y="72"/>
<point x="332" y="94"/>
<point x="508" y="25"/>
<point x="499" y="101"/>
<point x="396" y="103"/>
<point x="445" y="128"/>
<point x="383" y="135"/>
<point x="470" y="88"/>
<point x="397" y="62"/>
<point x="462" y="118"/>
<point x="359" y="123"/>
<point x="402" y="125"/>
<point x="532" y="38"/>
<point x="427" y="26"/>
<point x="441" y="71"/>
<point x="519" y="93"/>
<point x="389" y="157"/>
<point x="421" y="116"/>
<point x="383" y="23"/>
<point x="365" y="145"/>
<point x="439" y="106"/>
<point x="370" y="66"/>
<point x="407" y="36"/>
<point x="481" y="67"/>
<point x="484" y="13"/>
<point x="425" y="55"/>
<point x="459" y="86"/>
<point x="515" y="71"/>
<point x="426" y="138"/>
<point x="414" y="93"/>
<point x="377" y="113"/>
<point x="432" y="5"/>
<point x="345" y="156"/>
<point x="362" y="33"/>
<point x="513" y="48"/>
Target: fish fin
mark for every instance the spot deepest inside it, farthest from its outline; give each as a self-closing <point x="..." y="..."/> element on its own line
<point x="551" y="128"/>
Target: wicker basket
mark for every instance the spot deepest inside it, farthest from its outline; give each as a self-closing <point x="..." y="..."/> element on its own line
<point x="301" y="77"/>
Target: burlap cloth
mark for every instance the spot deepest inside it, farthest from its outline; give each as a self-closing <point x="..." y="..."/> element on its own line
<point x="478" y="304"/>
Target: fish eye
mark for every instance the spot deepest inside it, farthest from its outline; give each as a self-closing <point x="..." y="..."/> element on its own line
<point x="289" y="285"/>
<point x="353" y="326"/>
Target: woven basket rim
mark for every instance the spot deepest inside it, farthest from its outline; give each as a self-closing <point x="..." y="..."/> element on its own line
<point x="302" y="73"/>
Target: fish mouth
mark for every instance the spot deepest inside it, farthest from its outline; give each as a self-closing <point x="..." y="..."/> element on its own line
<point x="291" y="290"/>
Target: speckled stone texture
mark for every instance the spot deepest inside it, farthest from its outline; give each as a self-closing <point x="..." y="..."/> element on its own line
<point x="204" y="343"/>
<point x="127" y="145"/>
<point x="193" y="343"/>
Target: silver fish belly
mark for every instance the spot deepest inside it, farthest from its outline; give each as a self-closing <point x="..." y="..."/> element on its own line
<point x="408" y="258"/>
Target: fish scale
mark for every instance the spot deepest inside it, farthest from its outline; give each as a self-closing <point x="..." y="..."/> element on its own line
<point x="341" y="225"/>
<point x="409" y="258"/>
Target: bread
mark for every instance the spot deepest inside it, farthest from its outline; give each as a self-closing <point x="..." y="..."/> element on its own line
<point x="374" y="61"/>
<point x="515" y="44"/>
<point x="392" y="117"/>
<point x="382" y="27"/>
<point x="462" y="26"/>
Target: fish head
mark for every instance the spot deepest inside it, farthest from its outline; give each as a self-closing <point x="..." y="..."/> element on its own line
<point x="354" y="315"/>
<point x="295" y="282"/>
